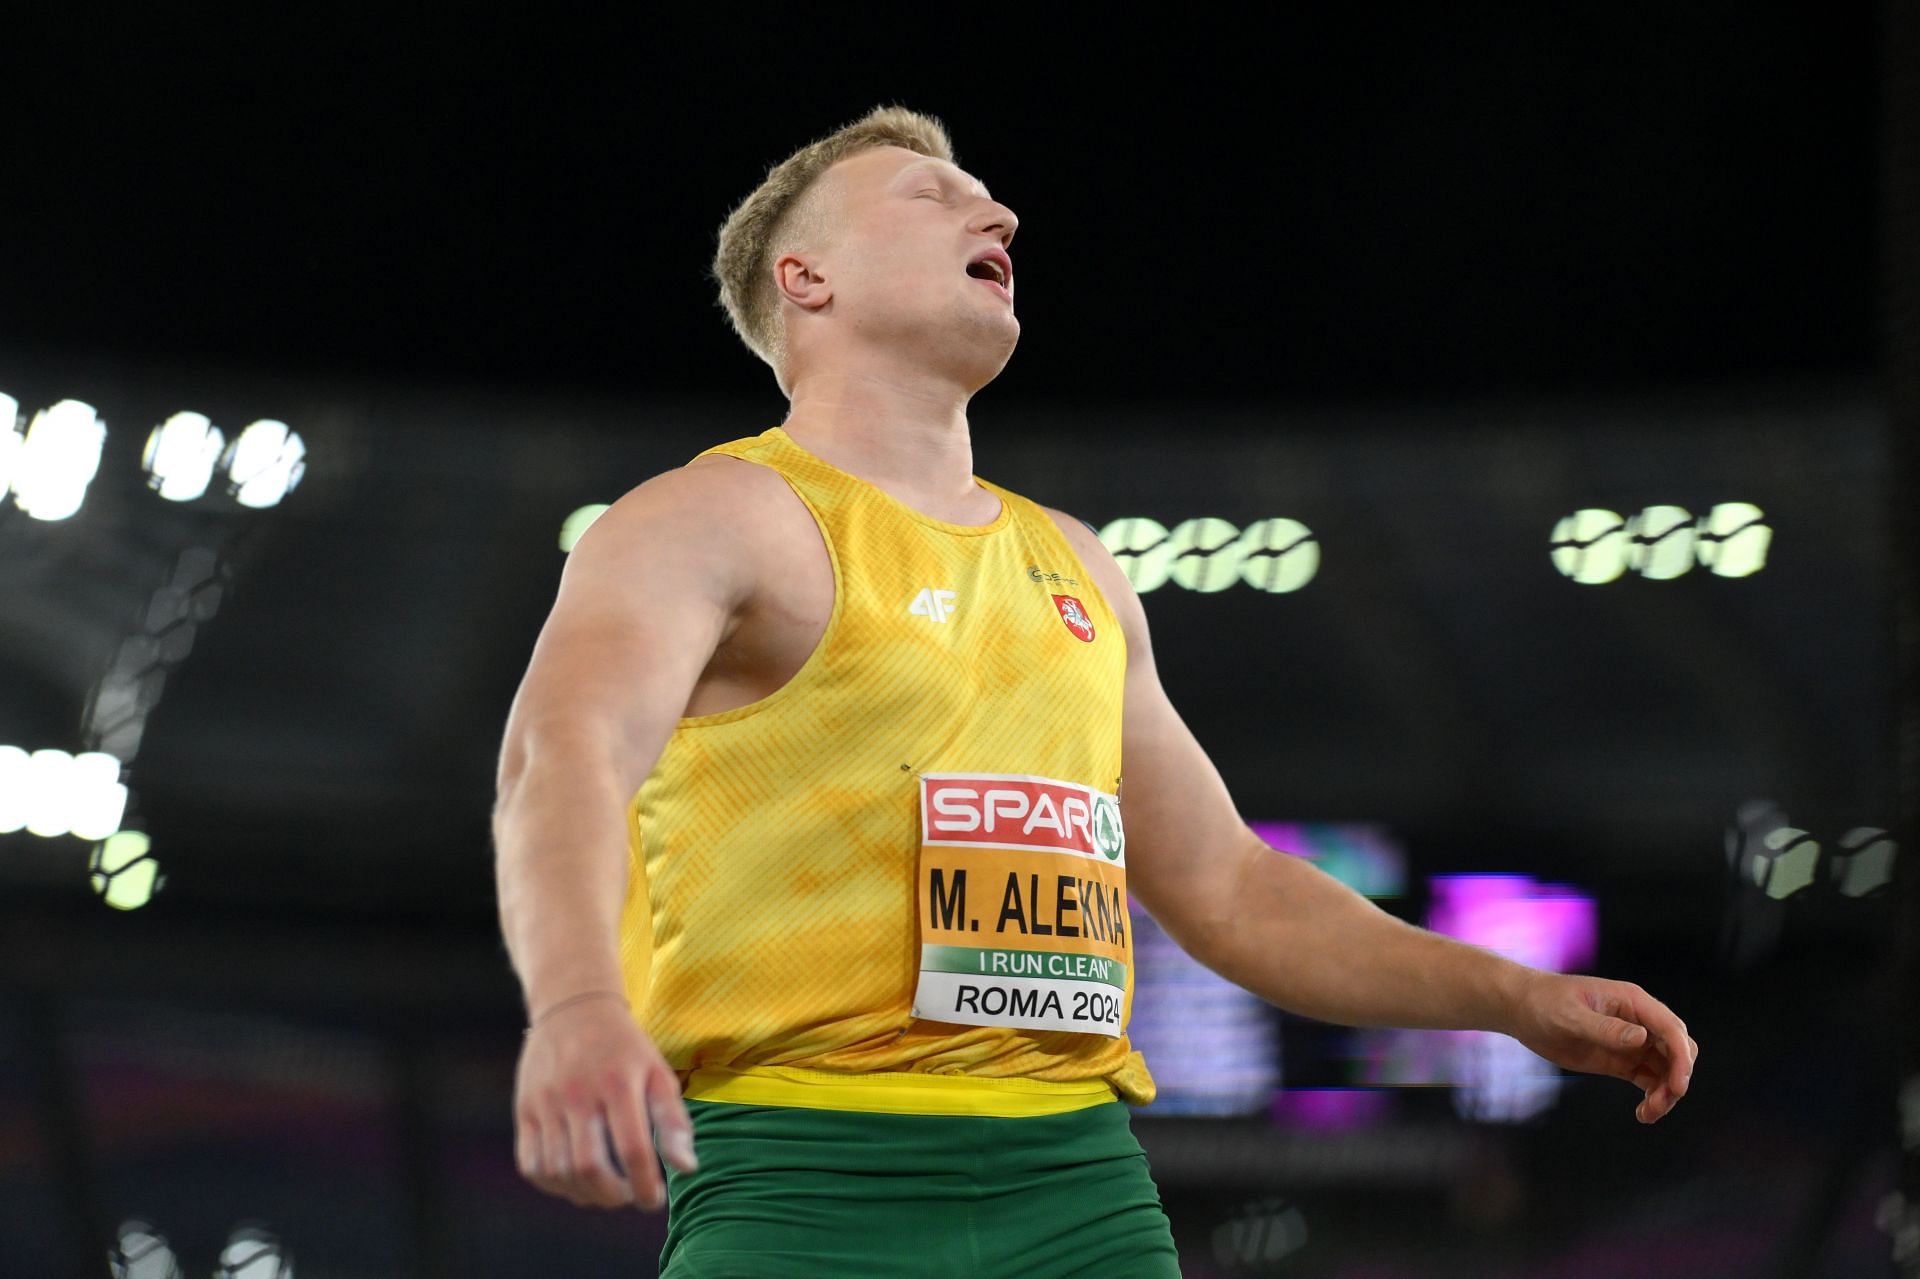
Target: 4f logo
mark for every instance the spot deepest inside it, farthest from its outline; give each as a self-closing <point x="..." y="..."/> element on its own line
<point x="929" y="603"/>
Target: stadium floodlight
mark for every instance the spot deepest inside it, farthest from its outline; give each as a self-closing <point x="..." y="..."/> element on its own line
<point x="141" y="1252"/>
<point x="99" y="796"/>
<point x="579" y="522"/>
<point x="58" y="460"/>
<point x="1660" y="542"/>
<point x="1590" y="546"/>
<point x="254" y="1252"/>
<point x="265" y="463"/>
<point x="49" y="793"/>
<point x="181" y="454"/>
<point x="1732" y="540"/>
<point x="15" y="799"/>
<point x="51" y="787"/>
<point x="10" y="441"/>
<point x="123" y="870"/>
<point x="1207" y="554"/>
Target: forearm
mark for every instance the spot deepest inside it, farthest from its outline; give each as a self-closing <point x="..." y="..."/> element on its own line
<point x="1304" y="941"/>
<point x="561" y="868"/>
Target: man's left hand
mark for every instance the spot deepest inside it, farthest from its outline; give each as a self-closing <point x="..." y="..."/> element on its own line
<point x="1606" y="1027"/>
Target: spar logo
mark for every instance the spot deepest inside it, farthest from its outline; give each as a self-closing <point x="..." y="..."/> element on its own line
<point x="1074" y="614"/>
<point x="999" y="810"/>
<point x="1108" y="837"/>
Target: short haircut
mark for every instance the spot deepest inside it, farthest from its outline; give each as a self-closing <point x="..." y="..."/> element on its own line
<point x="757" y="231"/>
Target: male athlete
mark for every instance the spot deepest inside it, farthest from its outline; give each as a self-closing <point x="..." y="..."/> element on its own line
<point x="814" y="855"/>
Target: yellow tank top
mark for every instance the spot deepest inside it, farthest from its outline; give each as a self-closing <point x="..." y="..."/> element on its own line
<point x="897" y="882"/>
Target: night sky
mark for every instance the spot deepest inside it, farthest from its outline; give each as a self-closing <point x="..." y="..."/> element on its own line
<point x="1364" y="204"/>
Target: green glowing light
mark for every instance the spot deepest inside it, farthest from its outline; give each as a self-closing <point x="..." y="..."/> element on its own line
<point x="124" y="871"/>
<point x="578" y="523"/>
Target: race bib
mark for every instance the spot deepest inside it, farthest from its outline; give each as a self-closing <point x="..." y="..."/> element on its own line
<point x="1023" y="904"/>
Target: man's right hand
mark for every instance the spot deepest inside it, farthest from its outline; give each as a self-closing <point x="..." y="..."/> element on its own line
<point x="588" y="1074"/>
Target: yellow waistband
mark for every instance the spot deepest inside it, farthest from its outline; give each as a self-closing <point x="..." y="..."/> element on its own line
<point x="894" y="1093"/>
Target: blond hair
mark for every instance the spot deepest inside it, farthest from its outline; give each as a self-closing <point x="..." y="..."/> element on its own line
<point x="757" y="230"/>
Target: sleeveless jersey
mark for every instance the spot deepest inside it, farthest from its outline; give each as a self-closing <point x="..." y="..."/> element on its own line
<point x="787" y="857"/>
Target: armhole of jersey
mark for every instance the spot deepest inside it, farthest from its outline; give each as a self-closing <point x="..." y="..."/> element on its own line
<point x="818" y="656"/>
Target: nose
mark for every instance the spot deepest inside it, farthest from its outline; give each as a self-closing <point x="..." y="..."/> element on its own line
<point x="997" y="220"/>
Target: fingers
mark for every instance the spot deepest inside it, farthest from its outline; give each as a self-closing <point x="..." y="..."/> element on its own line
<point x="593" y="1180"/>
<point x="670" y="1120"/>
<point x="541" y="1162"/>
<point x="1615" y="1033"/>
<point x="628" y="1116"/>
<point x="600" y="1153"/>
<point x="1660" y="1054"/>
<point x="556" y="1154"/>
<point x="527" y="1153"/>
<point x="1657" y="1081"/>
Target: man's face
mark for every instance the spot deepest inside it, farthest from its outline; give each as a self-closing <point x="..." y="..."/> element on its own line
<point x="907" y="256"/>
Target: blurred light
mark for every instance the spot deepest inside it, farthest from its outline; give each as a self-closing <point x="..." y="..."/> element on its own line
<point x="124" y="872"/>
<point x="1363" y="857"/>
<point x="180" y="456"/>
<point x="1783" y="863"/>
<point x="1205" y="554"/>
<point x="1279" y="555"/>
<point x="1732" y="541"/>
<point x="1863" y="862"/>
<point x="1495" y="1078"/>
<point x="1139" y="546"/>
<point x="1215" y="1048"/>
<point x="1208" y="554"/>
<point x="265" y="463"/>
<point x="100" y="797"/>
<point x="141" y="1252"/>
<point x="1765" y="852"/>
<point x="1259" y="1237"/>
<point x="254" y="1252"/>
<point x="579" y="522"/>
<point x="1900" y="1221"/>
<point x="1662" y="542"/>
<point x="1590" y="546"/>
<point x="1549" y="926"/>
<point x="14" y="795"/>
<point x="10" y="441"/>
<point x="1498" y="1079"/>
<point x="51" y="793"/>
<point x="51" y="788"/>
<point x="59" y="459"/>
<point x="1331" y="1109"/>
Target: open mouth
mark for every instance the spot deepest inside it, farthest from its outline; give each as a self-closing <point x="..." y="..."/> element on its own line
<point x="988" y="269"/>
<point x="994" y="269"/>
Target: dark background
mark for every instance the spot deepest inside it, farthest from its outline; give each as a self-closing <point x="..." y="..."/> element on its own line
<point x="1424" y="280"/>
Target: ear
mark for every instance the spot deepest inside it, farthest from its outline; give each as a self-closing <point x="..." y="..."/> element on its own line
<point x="800" y="281"/>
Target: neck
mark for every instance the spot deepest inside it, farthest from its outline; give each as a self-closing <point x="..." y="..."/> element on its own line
<point x="906" y="435"/>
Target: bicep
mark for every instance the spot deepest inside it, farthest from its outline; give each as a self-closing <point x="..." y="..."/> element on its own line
<point x="1186" y="843"/>
<point x="644" y="600"/>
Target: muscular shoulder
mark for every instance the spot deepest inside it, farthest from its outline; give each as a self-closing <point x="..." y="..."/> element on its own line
<point x="722" y="499"/>
<point x="717" y="517"/>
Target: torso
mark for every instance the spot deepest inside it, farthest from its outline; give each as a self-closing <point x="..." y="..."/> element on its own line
<point x="777" y="629"/>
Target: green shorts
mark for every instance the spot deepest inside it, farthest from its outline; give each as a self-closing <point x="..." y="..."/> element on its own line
<point x="796" y="1192"/>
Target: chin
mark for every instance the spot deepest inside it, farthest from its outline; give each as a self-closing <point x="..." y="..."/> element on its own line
<point x="993" y="358"/>
<point x="974" y="346"/>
